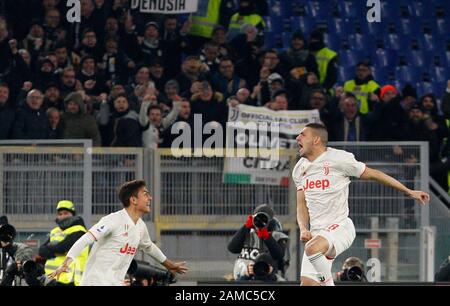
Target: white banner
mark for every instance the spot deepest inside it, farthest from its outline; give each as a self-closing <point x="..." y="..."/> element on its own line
<point x="165" y="6"/>
<point x="261" y="128"/>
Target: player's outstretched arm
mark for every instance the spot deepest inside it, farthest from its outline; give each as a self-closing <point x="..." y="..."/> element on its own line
<point x="303" y="216"/>
<point x="383" y="178"/>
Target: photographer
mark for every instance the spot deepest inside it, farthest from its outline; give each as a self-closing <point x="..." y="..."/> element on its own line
<point x="352" y="271"/>
<point x="14" y="256"/>
<point x="263" y="248"/>
<point x="443" y="274"/>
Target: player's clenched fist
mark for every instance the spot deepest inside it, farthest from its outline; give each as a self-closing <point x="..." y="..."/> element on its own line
<point x="305" y="236"/>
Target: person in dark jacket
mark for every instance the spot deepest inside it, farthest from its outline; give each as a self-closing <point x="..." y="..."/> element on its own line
<point x="254" y="239"/>
<point x="13" y="254"/>
<point x="120" y="127"/>
<point x="31" y="121"/>
<point x="209" y="104"/>
<point x="77" y="124"/>
<point x="348" y="124"/>
<point x="7" y="114"/>
<point x="298" y="58"/>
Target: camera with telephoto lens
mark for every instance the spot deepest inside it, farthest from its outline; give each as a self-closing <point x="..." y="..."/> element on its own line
<point x="263" y="268"/>
<point x="352" y="270"/>
<point x="142" y="270"/>
<point x="261" y="220"/>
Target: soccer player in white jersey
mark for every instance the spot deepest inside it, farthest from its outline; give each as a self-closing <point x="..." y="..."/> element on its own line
<point x="322" y="179"/>
<point x="116" y="238"/>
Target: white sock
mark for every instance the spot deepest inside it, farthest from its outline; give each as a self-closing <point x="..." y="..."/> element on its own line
<point x="322" y="266"/>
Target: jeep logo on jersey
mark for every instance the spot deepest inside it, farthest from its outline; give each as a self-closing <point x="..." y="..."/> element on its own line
<point x="326" y="168"/>
<point x="323" y="184"/>
<point x="128" y="250"/>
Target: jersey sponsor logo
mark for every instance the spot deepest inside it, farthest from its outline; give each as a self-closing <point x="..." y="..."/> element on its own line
<point x="326" y="168"/>
<point x="129" y="250"/>
<point x="317" y="184"/>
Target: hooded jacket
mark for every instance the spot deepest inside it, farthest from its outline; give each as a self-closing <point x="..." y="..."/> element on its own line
<point x="80" y="125"/>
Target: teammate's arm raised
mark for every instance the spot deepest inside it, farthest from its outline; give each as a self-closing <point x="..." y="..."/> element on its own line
<point x="376" y="175"/>
<point x="303" y="216"/>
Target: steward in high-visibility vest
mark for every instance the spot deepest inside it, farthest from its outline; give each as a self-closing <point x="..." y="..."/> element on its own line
<point x="362" y="87"/>
<point x="206" y="18"/>
<point x="245" y="15"/>
<point x="61" y="238"/>
<point x="326" y="59"/>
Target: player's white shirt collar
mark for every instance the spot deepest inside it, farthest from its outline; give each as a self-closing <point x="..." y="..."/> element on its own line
<point x="128" y="217"/>
<point x="318" y="158"/>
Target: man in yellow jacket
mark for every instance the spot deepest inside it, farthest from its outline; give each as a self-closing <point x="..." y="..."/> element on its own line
<point x="61" y="238"/>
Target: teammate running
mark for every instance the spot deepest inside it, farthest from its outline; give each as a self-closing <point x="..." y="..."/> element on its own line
<point x="322" y="179"/>
<point x="117" y="237"/>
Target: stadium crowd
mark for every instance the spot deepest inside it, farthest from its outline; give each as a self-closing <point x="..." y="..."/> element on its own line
<point x="122" y="78"/>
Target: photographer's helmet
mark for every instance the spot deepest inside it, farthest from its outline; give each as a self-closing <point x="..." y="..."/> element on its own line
<point x="7" y="233"/>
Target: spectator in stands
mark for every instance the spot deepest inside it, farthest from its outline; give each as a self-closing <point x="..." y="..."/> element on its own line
<point x="76" y="123"/>
<point x="19" y="70"/>
<point x="209" y="104"/>
<point x="363" y="87"/>
<point x="88" y="21"/>
<point x="157" y="73"/>
<point x="391" y="120"/>
<point x="327" y="59"/>
<point x="65" y="57"/>
<point x="51" y="24"/>
<point x="192" y="71"/>
<point x="422" y="128"/>
<point x="225" y="80"/>
<point x="152" y="122"/>
<point x="297" y="58"/>
<point x="120" y="127"/>
<point x="318" y="99"/>
<point x="301" y="90"/>
<point x="52" y="97"/>
<point x="31" y="122"/>
<point x="184" y="119"/>
<point x="54" y="121"/>
<point x="175" y="42"/>
<point x="249" y="56"/>
<point x="5" y="54"/>
<point x="46" y="74"/>
<point x="280" y="100"/>
<point x="151" y="47"/>
<point x="245" y="15"/>
<point x="219" y="37"/>
<point x="69" y="82"/>
<point x="171" y="91"/>
<point x="90" y="46"/>
<point x="273" y="63"/>
<point x="210" y="57"/>
<point x="209" y="15"/>
<point x="92" y="80"/>
<point x="7" y="114"/>
<point x="111" y="28"/>
<point x="115" y="64"/>
<point x="348" y="124"/>
<point x="243" y="97"/>
<point x="35" y="42"/>
<point x="409" y="97"/>
<point x="434" y="121"/>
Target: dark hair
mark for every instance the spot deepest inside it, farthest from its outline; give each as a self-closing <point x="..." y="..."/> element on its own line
<point x="365" y="63"/>
<point x="129" y="189"/>
<point x="152" y="107"/>
<point x="321" y="131"/>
